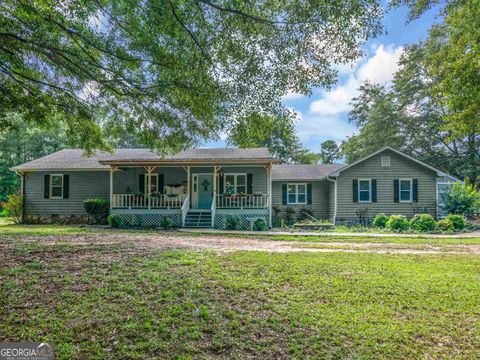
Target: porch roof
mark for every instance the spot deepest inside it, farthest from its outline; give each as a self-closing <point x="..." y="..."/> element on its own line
<point x="74" y="159"/>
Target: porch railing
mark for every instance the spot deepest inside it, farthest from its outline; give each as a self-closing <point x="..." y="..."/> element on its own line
<point x="162" y="201"/>
<point x="247" y="201"/>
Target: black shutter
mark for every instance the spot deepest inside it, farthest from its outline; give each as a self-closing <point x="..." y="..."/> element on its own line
<point x="66" y="186"/>
<point x="396" y="191"/>
<point x="141" y="183"/>
<point x="161" y="183"/>
<point x="220" y="183"/>
<point x="374" y="190"/>
<point x="284" y="194"/>
<point x="415" y="190"/>
<point x="355" y="190"/>
<point x="249" y="183"/>
<point x="46" y="187"/>
<point x="309" y="194"/>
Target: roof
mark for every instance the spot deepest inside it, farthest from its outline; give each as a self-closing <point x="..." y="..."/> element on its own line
<point x="75" y="159"/>
<point x="303" y="172"/>
<point x="338" y="171"/>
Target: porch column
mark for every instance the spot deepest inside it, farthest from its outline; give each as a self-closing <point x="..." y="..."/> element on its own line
<point x="269" y="194"/>
<point x="112" y="170"/>
<point x="149" y="170"/>
<point x="188" y="182"/>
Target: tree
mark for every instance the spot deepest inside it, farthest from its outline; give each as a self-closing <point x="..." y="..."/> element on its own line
<point x="329" y="152"/>
<point x="277" y="133"/>
<point x="21" y="143"/>
<point x="174" y="72"/>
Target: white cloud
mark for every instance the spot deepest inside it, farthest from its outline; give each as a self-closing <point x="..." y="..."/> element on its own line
<point x="378" y="68"/>
<point x="293" y="96"/>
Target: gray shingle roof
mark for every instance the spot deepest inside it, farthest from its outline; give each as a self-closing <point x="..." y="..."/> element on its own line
<point x="303" y="172"/>
<point x="74" y="158"/>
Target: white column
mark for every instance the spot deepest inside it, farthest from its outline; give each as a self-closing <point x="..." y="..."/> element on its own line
<point x="111" y="187"/>
<point x="188" y="182"/>
<point x="269" y="201"/>
<point x="215" y="169"/>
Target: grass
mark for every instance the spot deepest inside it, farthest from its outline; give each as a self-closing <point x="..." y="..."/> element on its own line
<point x="116" y="301"/>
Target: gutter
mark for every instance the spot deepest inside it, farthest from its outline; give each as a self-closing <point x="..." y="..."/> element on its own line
<point x="335" y="201"/>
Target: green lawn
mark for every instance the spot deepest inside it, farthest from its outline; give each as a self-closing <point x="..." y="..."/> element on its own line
<point x="106" y="301"/>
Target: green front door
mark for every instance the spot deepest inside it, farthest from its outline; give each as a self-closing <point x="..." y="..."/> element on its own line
<point x="204" y="192"/>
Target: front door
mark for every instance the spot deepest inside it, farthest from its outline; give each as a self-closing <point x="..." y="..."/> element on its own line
<point x="202" y="191"/>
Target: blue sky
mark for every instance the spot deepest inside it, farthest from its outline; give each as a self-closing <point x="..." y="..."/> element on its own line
<point x="324" y="115"/>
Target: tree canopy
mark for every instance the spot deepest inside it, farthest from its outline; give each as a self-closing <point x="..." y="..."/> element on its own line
<point x="173" y="72"/>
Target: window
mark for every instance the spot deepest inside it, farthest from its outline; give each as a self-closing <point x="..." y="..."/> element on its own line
<point x="364" y="190"/>
<point x="385" y="161"/>
<point x="153" y="183"/>
<point x="296" y="193"/>
<point x="405" y="189"/>
<point x="56" y="186"/>
<point x="235" y="183"/>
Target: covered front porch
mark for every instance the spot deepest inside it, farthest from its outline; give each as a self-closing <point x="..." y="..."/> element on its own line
<point x="145" y="194"/>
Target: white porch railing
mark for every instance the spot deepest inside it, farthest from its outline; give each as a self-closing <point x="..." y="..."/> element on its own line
<point x="247" y="201"/>
<point x="185" y="208"/>
<point x="161" y="201"/>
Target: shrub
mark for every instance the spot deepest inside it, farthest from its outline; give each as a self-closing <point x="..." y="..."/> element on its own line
<point x="260" y="225"/>
<point x="166" y="223"/>
<point x="231" y="222"/>
<point x="114" y="220"/>
<point x="98" y="209"/>
<point x="423" y="223"/>
<point x="459" y="222"/>
<point x="13" y="208"/>
<point x="445" y="225"/>
<point x="290" y="212"/>
<point x="463" y="199"/>
<point x="397" y="223"/>
<point x="380" y="220"/>
<point x="362" y="214"/>
<point x="305" y="214"/>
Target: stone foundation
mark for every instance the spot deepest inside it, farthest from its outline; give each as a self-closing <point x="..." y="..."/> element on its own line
<point x="58" y="219"/>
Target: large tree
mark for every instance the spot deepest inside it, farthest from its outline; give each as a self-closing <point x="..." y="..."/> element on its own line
<point x="329" y="152"/>
<point x="171" y="71"/>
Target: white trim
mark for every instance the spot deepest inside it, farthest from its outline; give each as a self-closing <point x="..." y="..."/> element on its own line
<point x="369" y="191"/>
<point x="147" y="175"/>
<point x="296" y="194"/>
<point x="235" y="175"/>
<point x="51" y="186"/>
<point x="400" y="190"/>
<point x="337" y="172"/>
<point x="386" y="161"/>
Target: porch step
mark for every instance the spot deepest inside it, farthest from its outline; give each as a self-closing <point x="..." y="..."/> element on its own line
<point x="198" y="219"/>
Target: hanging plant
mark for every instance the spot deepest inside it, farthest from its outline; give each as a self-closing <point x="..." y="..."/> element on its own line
<point x="205" y="184"/>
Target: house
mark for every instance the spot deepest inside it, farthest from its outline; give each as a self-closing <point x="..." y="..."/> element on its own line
<point x="202" y="187"/>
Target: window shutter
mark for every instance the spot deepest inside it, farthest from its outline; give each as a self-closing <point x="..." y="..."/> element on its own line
<point x="396" y="191"/>
<point x="66" y="186"/>
<point x="141" y="183"/>
<point x="249" y="183"/>
<point x="46" y="187"/>
<point x="415" y="190"/>
<point x="355" y="190"/>
<point x="220" y="183"/>
<point x="284" y="194"/>
<point x="309" y="194"/>
<point x="374" y="190"/>
<point x="161" y="183"/>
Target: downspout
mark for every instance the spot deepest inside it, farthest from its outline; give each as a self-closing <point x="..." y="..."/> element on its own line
<point x="335" y="201"/>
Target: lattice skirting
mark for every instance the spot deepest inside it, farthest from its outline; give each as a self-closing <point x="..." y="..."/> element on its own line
<point x="150" y="219"/>
<point x="246" y="218"/>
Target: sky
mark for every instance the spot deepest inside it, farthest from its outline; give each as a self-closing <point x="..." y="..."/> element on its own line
<point x="324" y="115"/>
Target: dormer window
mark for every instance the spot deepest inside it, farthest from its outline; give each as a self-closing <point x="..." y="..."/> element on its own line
<point x="385" y="161"/>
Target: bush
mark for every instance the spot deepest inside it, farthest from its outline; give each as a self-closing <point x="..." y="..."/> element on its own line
<point x="463" y="199"/>
<point x="114" y="220"/>
<point x="231" y="222"/>
<point x="290" y="212"/>
<point x="445" y="225"/>
<point x="423" y="223"/>
<point x="397" y="223"/>
<point x="98" y="209"/>
<point x="305" y="214"/>
<point x="166" y="223"/>
<point x="380" y="220"/>
<point x="459" y="222"/>
<point x="260" y="225"/>
<point x="13" y="208"/>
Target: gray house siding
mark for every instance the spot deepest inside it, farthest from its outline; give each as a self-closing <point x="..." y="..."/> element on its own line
<point x="320" y="196"/>
<point x="83" y="185"/>
<point x="331" y="200"/>
<point x="400" y="167"/>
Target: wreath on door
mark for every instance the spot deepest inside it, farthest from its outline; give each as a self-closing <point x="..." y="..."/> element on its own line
<point x="205" y="184"/>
